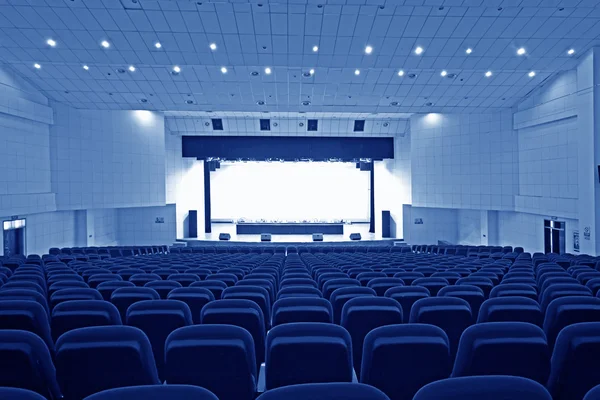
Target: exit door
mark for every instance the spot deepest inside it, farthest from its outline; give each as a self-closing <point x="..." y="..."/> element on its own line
<point x="554" y="236"/>
<point x="14" y="237"/>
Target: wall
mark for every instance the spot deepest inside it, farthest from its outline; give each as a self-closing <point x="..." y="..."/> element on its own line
<point x="101" y="227"/>
<point x="138" y="226"/>
<point x="107" y="159"/>
<point x="438" y="224"/>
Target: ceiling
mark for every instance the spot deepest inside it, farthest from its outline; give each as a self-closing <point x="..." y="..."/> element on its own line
<point x="280" y="34"/>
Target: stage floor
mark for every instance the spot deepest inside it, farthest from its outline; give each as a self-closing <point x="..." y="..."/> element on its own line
<point x="363" y="229"/>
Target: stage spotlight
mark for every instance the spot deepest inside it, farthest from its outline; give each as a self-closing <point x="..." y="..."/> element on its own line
<point x="224" y="236"/>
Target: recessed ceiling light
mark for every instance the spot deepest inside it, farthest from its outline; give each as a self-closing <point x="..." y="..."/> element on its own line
<point x="419" y="50"/>
<point x="51" y="42"/>
<point x="469" y="50"/>
<point x="488" y="74"/>
<point x="531" y="74"/>
<point x="401" y="72"/>
<point x="368" y="50"/>
<point x="315" y="48"/>
<point x="157" y="45"/>
<point x="444" y="73"/>
<point x="131" y="68"/>
<point x="312" y="71"/>
<point x="268" y="71"/>
<point x="223" y="70"/>
<point x="213" y="46"/>
<point x="357" y="72"/>
<point x="105" y="44"/>
<point x="176" y="69"/>
<point x="86" y="67"/>
<point x="521" y="51"/>
<point x="571" y="52"/>
<point x="37" y="66"/>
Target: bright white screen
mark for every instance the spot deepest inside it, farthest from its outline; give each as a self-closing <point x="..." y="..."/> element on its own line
<point x="290" y="191"/>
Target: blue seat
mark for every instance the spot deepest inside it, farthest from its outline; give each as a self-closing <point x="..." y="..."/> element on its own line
<point x="341" y="296"/>
<point x="451" y="314"/>
<point x="66" y="285"/>
<point x="26" y="363"/>
<point x="511" y="309"/>
<point x="163" y="288"/>
<point x="503" y="348"/>
<point x="400" y="359"/>
<point x="569" y="310"/>
<point x="107" y="288"/>
<point x="257" y="294"/>
<point x="74" y="294"/>
<point x="267" y="284"/>
<point x="471" y="294"/>
<point x="593" y="394"/>
<point x="324" y="278"/>
<point x="432" y="284"/>
<point x="333" y="284"/>
<point x="298" y="282"/>
<point x="484" y="387"/>
<point x="409" y="277"/>
<point x="575" y="358"/>
<point x="184" y="279"/>
<point x="143" y="278"/>
<point x="365" y="277"/>
<point x="363" y="314"/>
<point x="243" y="313"/>
<point x="96" y="280"/>
<point x="25" y="294"/>
<point x="122" y="298"/>
<point x="216" y="287"/>
<point x="407" y="296"/>
<point x="115" y="356"/>
<point x="220" y="358"/>
<point x="306" y="352"/>
<point x="75" y="314"/>
<point x="298" y="291"/>
<point x="7" y="393"/>
<point x="154" y="392"/>
<point x="381" y="285"/>
<point x="229" y="279"/>
<point x="562" y="290"/>
<point x="26" y="315"/>
<point x="302" y="309"/>
<point x="195" y="297"/>
<point x="325" y="391"/>
<point x="481" y="282"/>
<point x="450" y="276"/>
<point x="514" y="289"/>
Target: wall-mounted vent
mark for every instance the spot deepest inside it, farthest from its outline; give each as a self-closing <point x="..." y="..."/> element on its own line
<point x="359" y="125"/>
<point x="312" y="125"/>
<point x="265" y="124"/>
<point x="217" y="124"/>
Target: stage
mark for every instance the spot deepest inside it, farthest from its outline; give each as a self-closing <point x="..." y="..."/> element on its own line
<point x="245" y="228"/>
<point x="218" y="228"/>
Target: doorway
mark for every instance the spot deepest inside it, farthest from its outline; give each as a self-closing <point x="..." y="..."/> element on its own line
<point x="554" y="236"/>
<point x="14" y="237"/>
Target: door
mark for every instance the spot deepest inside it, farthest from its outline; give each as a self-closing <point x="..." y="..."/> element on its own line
<point x="14" y="237"/>
<point x="554" y="236"/>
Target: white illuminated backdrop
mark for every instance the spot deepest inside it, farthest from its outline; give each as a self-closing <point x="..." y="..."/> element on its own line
<point x="290" y="191"/>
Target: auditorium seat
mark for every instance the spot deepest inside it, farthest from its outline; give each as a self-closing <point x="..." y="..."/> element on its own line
<point x="333" y="284"/>
<point x="256" y="294"/>
<point x="323" y="278"/>
<point x="298" y="291"/>
<point x="570" y="310"/>
<point x="229" y="279"/>
<point x="106" y="289"/>
<point x="574" y="364"/>
<point x="157" y="319"/>
<point x="163" y="287"/>
<point x="432" y="284"/>
<point x="407" y="296"/>
<point x="96" y="280"/>
<point x="451" y="314"/>
<point x="484" y="387"/>
<point x="450" y="276"/>
<point x="195" y="297"/>
<point x="215" y="287"/>
<point x="184" y="279"/>
<point x="400" y="359"/>
<point x="24" y="294"/>
<point x="142" y="279"/>
<point x="74" y="294"/>
<point x="65" y="285"/>
<point x="9" y="393"/>
<point x="481" y="282"/>
<point x="220" y="358"/>
<point x="325" y="391"/>
<point x="562" y="290"/>
<point x="164" y="273"/>
<point x="381" y="285"/>
<point x="305" y="352"/>
<point x="264" y="283"/>
<point x="298" y="282"/>
<point x="243" y="313"/>
<point x="340" y="296"/>
<point x="122" y="298"/>
<point x="302" y="309"/>
<point x="593" y="394"/>
<point x="360" y="315"/>
<point x="503" y="348"/>
<point x="365" y="277"/>
<point x="514" y="289"/>
<point x="26" y="315"/>
<point x="154" y="392"/>
<point x="511" y="309"/>
<point x="75" y="314"/>
<point x="471" y="294"/>
<point x="89" y="360"/>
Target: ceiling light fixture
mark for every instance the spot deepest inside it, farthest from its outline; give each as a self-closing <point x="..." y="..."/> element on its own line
<point x="86" y="67"/>
<point x="37" y="66"/>
<point x="131" y="68"/>
<point x="469" y="50"/>
<point x="419" y="50"/>
<point x="223" y="70"/>
<point x="105" y="44"/>
<point x="571" y="52"/>
<point x="213" y="46"/>
<point x="444" y="73"/>
<point x="157" y="45"/>
<point x="51" y="42"/>
<point x="315" y="49"/>
<point x="401" y="72"/>
<point x="531" y="74"/>
<point x="488" y="74"/>
<point x="176" y="69"/>
<point x="368" y="50"/>
<point x="268" y="71"/>
<point x="312" y="71"/>
<point x="521" y="51"/>
<point x="357" y="72"/>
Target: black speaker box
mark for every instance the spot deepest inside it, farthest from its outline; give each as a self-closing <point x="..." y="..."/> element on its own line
<point x="193" y="223"/>
<point x="355" y="236"/>
<point x="265" y="237"/>
<point x="317" y="237"/>
<point x="224" y="236"/>
<point x="386" y="223"/>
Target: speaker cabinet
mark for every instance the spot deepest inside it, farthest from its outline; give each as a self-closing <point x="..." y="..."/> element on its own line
<point x="386" y="224"/>
<point x="355" y="236"/>
<point x="265" y="237"/>
<point x="224" y="236"/>
<point x="317" y="237"/>
<point x="193" y="223"/>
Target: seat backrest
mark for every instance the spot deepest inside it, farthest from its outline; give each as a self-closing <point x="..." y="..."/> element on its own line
<point x="106" y="289"/>
<point x="511" y="309"/>
<point x="257" y="294"/>
<point x="143" y="278"/>
<point x="215" y="286"/>
<point x="116" y="356"/>
<point x="336" y="283"/>
<point x="299" y="291"/>
<point x="184" y="278"/>
<point x="302" y="309"/>
<point x="230" y="350"/>
<point x="195" y="297"/>
<point x="74" y="314"/>
<point x="406" y="296"/>
<point x="325" y="391"/>
<point x="569" y="310"/>
<point x="163" y="288"/>
<point x="562" y="290"/>
<point x="26" y="315"/>
<point x="340" y="296"/>
<point x="381" y="285"/>
<point x="514" y="289"/>
<point x="74" y="294"/>
<point x="161" y="392"/>
<point x="126" y="296"/>
<point x="433" y="284"/>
